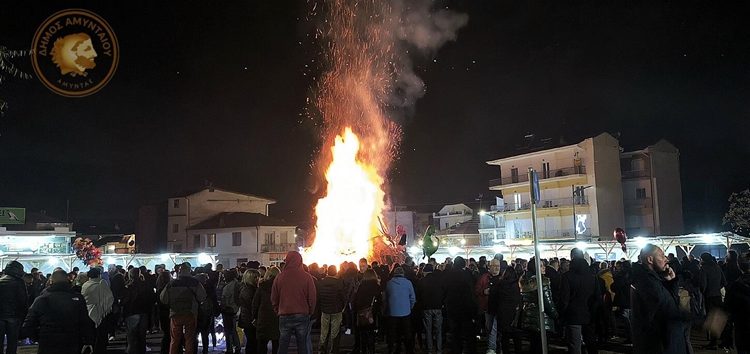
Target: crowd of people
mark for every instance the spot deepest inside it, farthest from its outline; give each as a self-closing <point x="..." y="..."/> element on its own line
<point x="652" y="304"/>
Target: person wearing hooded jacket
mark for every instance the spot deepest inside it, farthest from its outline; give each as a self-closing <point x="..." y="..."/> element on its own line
<point x="296" y="305"/>
<point x="13" y="306"/>
<point x="99" y="302"/>
<point x="58" y="319"/>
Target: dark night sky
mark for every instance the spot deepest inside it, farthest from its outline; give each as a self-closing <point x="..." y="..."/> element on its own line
<point x="214" y="91"/>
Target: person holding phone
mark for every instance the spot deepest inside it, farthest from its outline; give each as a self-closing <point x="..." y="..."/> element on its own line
<point x="659" y="325"/>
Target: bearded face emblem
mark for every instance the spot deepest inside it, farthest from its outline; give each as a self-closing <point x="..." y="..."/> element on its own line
<point x="74" y="54"/>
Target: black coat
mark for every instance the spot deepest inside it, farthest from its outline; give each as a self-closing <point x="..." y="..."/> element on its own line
<point x="59" y="321"/>
<point x="738" y="305"/>
<point x="266" y="320"/>
<point x="507" y="295"/>
<point x="368" y="294"/>
<point x="555" y="279"/>
<point x="14" y="297"/>
<point x="459" y="297"/>
<point x="578" y="294"/>
<point x="658" y="324"/>
<point x="621" y="288"/>
<point x="431" y="292"/>
<point x="138" y="298"/>
<point x="332" y="295"/>
<point x="247" y="294"/>
<point x="711" y="280"/>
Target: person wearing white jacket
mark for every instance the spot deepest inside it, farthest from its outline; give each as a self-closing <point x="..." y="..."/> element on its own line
<point x="99" y="302"/>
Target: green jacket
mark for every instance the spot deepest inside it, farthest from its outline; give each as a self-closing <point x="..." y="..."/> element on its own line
<point x="529" y="316"/>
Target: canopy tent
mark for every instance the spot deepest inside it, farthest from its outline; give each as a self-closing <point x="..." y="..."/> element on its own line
<point x="47" y="263"/>
<point x="598" y="249"/>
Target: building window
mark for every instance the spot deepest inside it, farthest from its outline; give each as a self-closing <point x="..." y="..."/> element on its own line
<point x="270" y="238"/>
<point x="640" y="193"/>
<point x="175" y="228"/>
<point x="176" y="203"/>
<point x="285" y="237"/>
<point x="516" y="201"/>
<point x="197" y="241"/>
<point x="545" y="170"/>
<point x="211" y="240"/>
<point x="236" y="239"/>
<point x="514" y="175"/>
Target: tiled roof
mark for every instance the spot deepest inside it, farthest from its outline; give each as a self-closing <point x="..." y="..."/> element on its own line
<point x="238" y="219"/>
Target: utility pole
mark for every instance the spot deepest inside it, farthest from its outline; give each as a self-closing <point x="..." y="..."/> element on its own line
<point x="535" y="196"/>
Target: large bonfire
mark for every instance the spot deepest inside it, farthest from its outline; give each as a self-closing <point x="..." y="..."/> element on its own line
<point x="366" y="79"/>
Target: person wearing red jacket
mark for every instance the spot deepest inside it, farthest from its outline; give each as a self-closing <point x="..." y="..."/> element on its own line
<point x="296" y="305"/>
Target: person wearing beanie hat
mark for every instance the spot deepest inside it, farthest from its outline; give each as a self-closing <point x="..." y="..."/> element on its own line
<point x="99" y="300"/>
<point x="14" y="304"/>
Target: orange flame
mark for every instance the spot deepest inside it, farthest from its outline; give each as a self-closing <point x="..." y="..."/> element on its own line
<point x="348" y="214"/>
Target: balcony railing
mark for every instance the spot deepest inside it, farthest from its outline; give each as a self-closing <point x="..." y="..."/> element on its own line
<point x="638" y="203"/>
<point x="543" y="204"/>
<point x="489" y="239"/>
<point x="524" y="177"/>
<point x="279" y="247"/>
<point x="634" y="173"/>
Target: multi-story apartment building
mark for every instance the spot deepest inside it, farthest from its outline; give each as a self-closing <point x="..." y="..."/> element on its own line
<point x="587" y="190"/>
<point x="188" y="210"/>
<point x="652" y="191"/>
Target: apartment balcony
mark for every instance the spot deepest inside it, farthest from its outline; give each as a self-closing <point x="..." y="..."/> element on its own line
<point x="561" y="234"/>
<point x="488" y="239"/>
<point x="644" y="203"/>
<point x="549" y="175"/>
<point x="452" y="213"/>
<point x="545" y="204"/>
<point x="278" y="248"/>
<point x="635" y="174"/>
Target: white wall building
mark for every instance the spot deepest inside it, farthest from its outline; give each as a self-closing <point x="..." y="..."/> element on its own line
<point x="593" y="164"/>
<point x="652" y="190"/>
<point x="239" y="237"/>
<point x="186" y="211"/>
<point x="452" y="215"/>
<point x="586" y="192"/>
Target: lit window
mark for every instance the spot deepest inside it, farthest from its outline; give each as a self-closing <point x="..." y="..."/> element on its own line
<point x="211" y="241"/>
